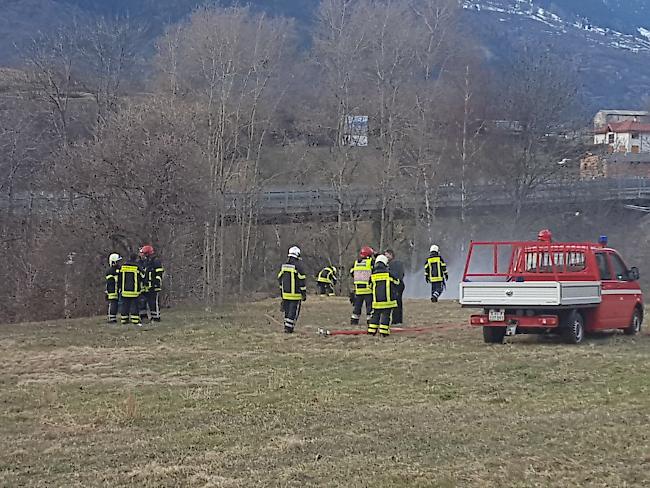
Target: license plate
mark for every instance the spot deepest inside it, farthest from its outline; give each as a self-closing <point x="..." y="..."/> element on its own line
<point x="497" y="315"/>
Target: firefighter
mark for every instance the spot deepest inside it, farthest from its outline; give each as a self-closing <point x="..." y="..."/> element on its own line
<point x="292" y="280"/>
<point x="435" y="272"/>
<point x="397" y="268"/>
<point x="112" y="288"/>
<point x="326" y="280"/>
<point x="152" y="285"/>
<point x="131" y="277"/>
<point x="385" y="286"/>
<point x="361" y="271"/>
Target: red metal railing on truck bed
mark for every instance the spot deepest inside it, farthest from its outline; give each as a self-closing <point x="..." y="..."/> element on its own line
<point x="531" y="261"/>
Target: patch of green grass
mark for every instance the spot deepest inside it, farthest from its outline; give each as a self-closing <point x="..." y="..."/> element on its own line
<point x="226" y="399"/>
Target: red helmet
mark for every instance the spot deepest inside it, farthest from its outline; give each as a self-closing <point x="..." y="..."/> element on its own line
<point x="545" y="236"/>
<point x="147" y="250"/>
<point x="367" y="252"/>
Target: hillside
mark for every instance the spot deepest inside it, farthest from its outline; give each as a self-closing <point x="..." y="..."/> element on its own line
<point x="224" y="399"/>
<point x="609" y="43"/>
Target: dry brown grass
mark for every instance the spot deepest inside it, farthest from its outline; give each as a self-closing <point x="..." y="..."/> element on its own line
<point x="225" y="400"/>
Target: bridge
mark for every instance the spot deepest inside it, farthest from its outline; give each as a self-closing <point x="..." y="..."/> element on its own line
<point x="291" y="205"/>
<point x="323" y="204"/>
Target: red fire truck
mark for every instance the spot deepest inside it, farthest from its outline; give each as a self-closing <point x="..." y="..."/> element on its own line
<point x="546" y="287"/>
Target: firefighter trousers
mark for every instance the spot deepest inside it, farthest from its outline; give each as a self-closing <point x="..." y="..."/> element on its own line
<point x="291" y="313"/>
<point x="380" y="319"/>
<point x="357" y="306"/>
<point x="112" y="310"/>
<point x="130" y="310"/>
<point x="436" y="290"/>
<point x="397" y="315"/>
<point x="149" y="302"/>
<point x="325" y="289"/>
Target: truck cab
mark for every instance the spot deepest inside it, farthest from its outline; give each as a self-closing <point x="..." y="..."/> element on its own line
<point x="545" y="287"/>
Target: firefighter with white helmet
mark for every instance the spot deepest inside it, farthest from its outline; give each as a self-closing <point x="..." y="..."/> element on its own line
<point x="292" y="280"/>
<point x="112" y="286"/>
<point x="435" y="272"/>
<point x="385" y="290"/>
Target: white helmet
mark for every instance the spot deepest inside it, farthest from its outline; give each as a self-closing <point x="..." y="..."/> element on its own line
<point x="294" y="252"/>
<point x="114" y="258"/>
<point x="382" y="259"/>
<point x="434" y="248"/>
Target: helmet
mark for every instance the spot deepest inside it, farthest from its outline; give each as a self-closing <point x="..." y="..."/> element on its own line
<point x="147" y="250"/>
<point x="367" y="252"/>
<point x="434" y="248"/>
<point x="294" y="252"/>
<point x="382" y="259"/>
<point x="114" y="258"/>
<point x="545" y="236"/>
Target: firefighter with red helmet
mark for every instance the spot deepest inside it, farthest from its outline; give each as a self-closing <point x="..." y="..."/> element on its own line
<point x="152" y="286"/>
<point x="360" y="272"/>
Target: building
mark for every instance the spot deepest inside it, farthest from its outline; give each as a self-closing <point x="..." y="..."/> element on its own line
<point x="605" y="117"/>
<point x="624" y="137"/>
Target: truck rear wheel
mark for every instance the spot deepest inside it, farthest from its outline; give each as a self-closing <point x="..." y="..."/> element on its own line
<point x="494" y="335"/>
<point x="635" y="325"/>
<point x="573" y="329"/>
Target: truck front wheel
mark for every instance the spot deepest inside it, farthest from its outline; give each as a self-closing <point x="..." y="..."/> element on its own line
<point x="635" y="325"/>
<point x="494" y="335"/>
<point x="573" y="329"/>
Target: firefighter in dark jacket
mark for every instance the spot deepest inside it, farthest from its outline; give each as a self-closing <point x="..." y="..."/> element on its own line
<point x="292" y="280"/>
<point x="397" y="268"/>
<point x="152" y="286"/>
<point x="361" y="271"/>
<point x="112" y="287"/>
<point x="435" y="272"/>
<point x="131" y="277"/>
<point x="326" y="280"/>
<point x="384" y="296"/>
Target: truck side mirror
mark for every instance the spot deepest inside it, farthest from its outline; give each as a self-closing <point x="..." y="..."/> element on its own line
<point x="634" y="274"/>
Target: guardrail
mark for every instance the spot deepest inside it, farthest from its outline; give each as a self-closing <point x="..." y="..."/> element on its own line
<point x="289" y="204"/>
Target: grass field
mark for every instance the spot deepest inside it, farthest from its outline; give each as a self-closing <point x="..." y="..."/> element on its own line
<point x="225" y="399"/>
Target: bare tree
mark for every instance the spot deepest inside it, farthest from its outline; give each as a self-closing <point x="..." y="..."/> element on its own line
<point x="225" y="59"/>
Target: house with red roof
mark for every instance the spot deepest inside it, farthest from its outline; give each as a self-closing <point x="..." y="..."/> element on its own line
<point x="629" y="136"/>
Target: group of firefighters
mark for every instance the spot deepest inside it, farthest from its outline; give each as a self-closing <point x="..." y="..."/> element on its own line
<point x="133" y="287"/>
<point x="378" y="280"/>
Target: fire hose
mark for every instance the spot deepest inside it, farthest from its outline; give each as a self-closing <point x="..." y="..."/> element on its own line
<point x="393" y="330"/>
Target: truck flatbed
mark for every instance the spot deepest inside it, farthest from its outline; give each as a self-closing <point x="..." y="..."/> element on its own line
<point x="542" y="294"/>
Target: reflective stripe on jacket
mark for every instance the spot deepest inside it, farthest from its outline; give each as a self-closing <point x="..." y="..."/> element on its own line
<point x="384" y="289"/>
<point x="361" y="272"/>
<point x="326" y="275"/>
<point x="435" y="270"/>
<point x="130" y="282"/>
<point x="112" y="287"/>
<point x="292" y="281"/>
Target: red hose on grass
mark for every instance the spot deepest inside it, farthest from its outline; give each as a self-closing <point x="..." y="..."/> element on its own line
<point x="393" y="330"/>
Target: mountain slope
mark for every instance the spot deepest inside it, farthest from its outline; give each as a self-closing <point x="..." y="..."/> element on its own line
<point x="608" y="44"/>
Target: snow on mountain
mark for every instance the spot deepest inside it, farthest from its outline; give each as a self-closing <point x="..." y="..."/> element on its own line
<point x="635" y="37"/>
<point x="608" y="41"/>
